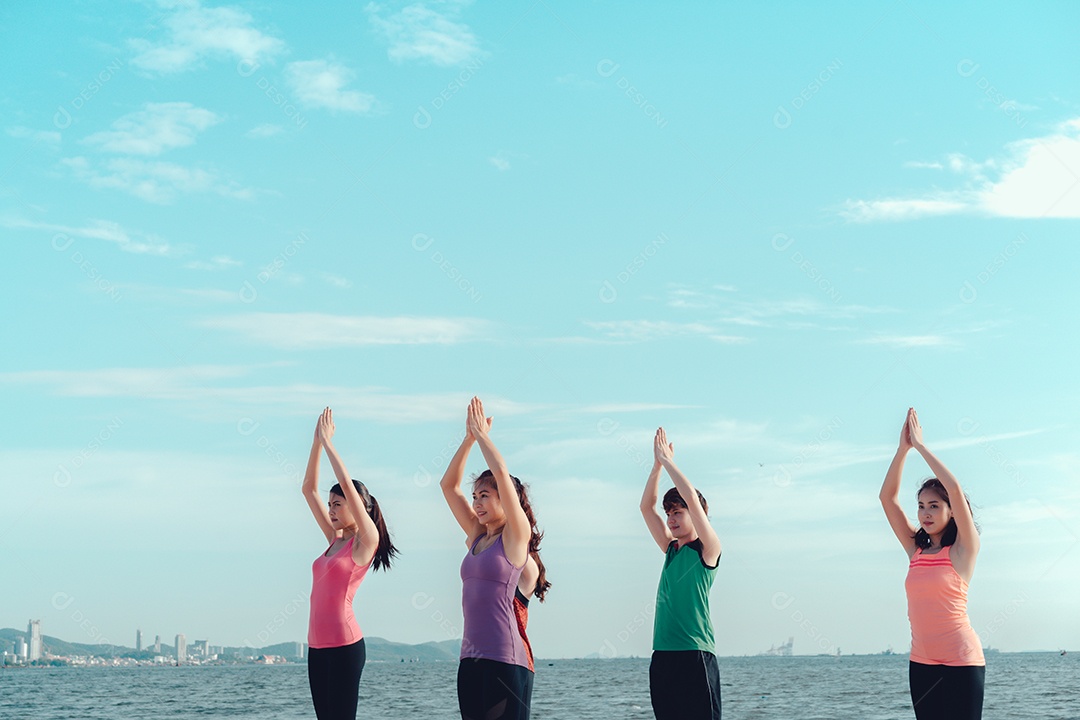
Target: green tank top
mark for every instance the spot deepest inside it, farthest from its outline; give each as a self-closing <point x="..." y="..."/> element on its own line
<point x="682" y="619"/>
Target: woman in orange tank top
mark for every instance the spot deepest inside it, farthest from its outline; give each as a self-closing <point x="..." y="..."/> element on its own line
<point x="947" y="670"/>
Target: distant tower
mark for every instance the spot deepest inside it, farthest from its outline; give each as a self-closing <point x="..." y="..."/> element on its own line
<point x="157" y="644"/>
<point x="181" y="649"/>
<point x="20" y="647"/>
<point x="138" y="641"/>
<point x="33" y="629"/>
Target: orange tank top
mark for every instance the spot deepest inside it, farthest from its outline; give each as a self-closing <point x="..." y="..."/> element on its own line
<point x="941" y="633"/>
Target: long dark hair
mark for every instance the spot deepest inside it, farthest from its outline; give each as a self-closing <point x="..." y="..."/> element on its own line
<point x="948" y="537"/>
<point x="487" y="479"/>
<point x="386" y="550"/>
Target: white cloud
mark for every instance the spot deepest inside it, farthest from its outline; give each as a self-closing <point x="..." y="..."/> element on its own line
<point x="49" y="138"/>
<point x="126" y="382"/>
<point x="154" y="129"/>
<point x="218" y="262"/>
<point x="1036" y="178"/>
<point x="644" y="330"/>
<point x="156" y="182"/>
<point x="500" y="162"/>
<point x="305" y="331"/>
<point x="319" y="83"/>
<point x="417" y="32"/>
<point x="897" y="209"/>
<point x="106" y="230"/>
<point x="336" y="280"/>
<point x="202" y="391"/>
<point x="924" y="165"/>
<point x="909" y="341"/>
<point x="264" y="131"/>
<point x="196" y="33"/>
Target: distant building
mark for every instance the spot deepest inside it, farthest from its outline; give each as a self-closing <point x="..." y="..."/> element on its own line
<point x="157" y="644"/>
<point x="33" y="629"/>
<point x="202" y="647"/>
<point x="784" y="650"/>
<point x="138" y="640"/>
<point x="21" y="648"/>
<point x="181" y="649"/>
<point x="299" y="652"/>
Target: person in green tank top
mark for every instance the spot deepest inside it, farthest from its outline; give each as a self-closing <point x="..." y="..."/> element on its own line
<point x="684" y="679"/>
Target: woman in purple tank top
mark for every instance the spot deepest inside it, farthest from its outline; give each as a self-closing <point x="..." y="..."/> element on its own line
<point x="500" y="571"/>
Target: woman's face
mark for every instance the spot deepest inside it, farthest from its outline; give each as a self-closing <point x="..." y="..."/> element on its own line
<point x="487" y="505"/>
<point x="340" y="515"/>
<point x="934" y="512"/>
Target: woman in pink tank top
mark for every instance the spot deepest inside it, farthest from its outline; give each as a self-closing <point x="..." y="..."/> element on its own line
<point x="946" y="672"/>
<point x="354" y="527"/>
<point x="501" y="570"/>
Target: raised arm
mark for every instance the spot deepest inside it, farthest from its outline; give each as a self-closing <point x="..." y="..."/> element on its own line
<point x="455" y="496"/>
<point x="653" y="519"/>
<point x="367" y="535"/>
<point x="710" y="542"/>
<point x="966" y="546"/>
<point x="310" y="490"/>
<point x="517" y="532"/>
<point x="901" y="525"/>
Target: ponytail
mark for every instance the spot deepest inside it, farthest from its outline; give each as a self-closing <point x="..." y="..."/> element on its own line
<point x="385" y="549"/>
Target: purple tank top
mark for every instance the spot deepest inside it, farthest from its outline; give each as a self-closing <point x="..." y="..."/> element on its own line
<point x="488" y="582"/>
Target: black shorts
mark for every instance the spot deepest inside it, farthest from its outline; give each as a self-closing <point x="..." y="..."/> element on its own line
<point x="492" y="690"/>
<point x="946" y="691"/>
<point x="684" y="684"/>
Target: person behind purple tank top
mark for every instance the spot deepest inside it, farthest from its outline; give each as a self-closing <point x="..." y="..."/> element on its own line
<point x="501" y="569"/>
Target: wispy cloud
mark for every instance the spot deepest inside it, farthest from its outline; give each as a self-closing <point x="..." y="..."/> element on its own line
<point x="909" y="341"/>
<point x="500" y="161"/>
<point x="156" y="182"/>
<point x="218" y="262"/>
<point x="195" y="33"/>
<point x="126" y="382"/>
<point x="320" y="83"/>
<point x="731" y="307"/>
<point x="204" y="390"/>
<point x="154" y="129"/>
<point x="47" y="137"/>
<point x="417" y="32"/>
<point x="107" y="230"/>
<point x="335" y="280"/>
<point x="264" y="131"/>
<point x="1035" y="178"/>
<point x="305" y="331"/>
<point x="645" y="330"/>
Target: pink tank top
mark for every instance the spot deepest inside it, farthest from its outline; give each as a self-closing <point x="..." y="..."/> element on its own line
<point x="334" y="582"/>
<point x="941" y="633"/>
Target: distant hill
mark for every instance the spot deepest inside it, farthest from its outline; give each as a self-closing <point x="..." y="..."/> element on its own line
<point x="378" y="649"/>
<point x="381" y="650"/>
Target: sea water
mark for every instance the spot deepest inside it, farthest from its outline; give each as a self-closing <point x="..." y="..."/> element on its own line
<point x="1020" y="686"/>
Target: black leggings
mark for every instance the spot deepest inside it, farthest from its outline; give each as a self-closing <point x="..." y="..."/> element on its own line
<point x="334" y="677"/>
<point x="945" y="692"/>
<point x="492" y="690"/>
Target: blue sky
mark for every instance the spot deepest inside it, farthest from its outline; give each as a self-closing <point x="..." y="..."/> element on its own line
<point x="770" y="228"/>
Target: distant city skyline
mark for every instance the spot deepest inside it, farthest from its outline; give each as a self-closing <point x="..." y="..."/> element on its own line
<point x="768" y="228"/>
